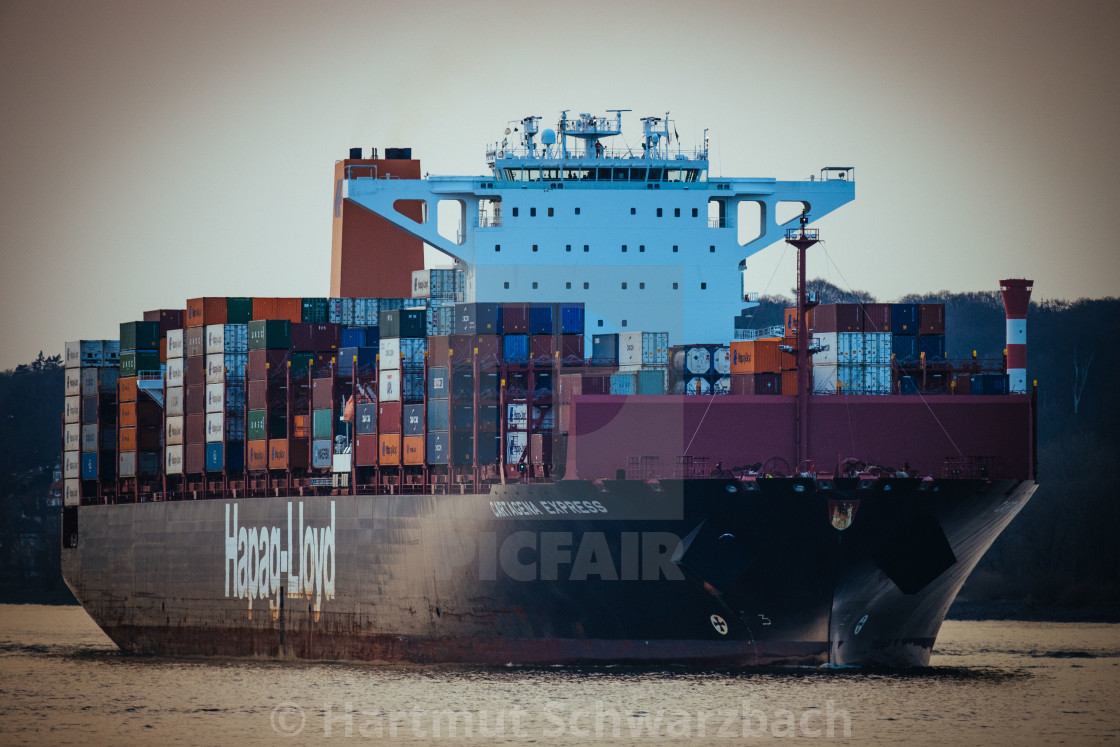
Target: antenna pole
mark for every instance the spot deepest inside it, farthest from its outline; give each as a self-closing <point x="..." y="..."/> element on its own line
<point x="802" y="238"/>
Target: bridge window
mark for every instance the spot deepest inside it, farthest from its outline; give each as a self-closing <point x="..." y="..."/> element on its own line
<point x="550" y="212"/>
<point x="585" y="286"/>
<point x="633" y="211"/>
<point x="658" y="212"/>
<point x="506" y="284"/>
<point x="676" y="212"/>
<point x="703" y="286"/>
<point x="674" y="286"/>
<point x="711" y="249"/>
<point x="568" y="247"/>
<point x="624" y="247"/>
<point x="675" y="248"/>
<point x="533" y="213"/>
<point x="695" y="212"/>
<point x="568" y="286"/>
<point x="515" y="212"/>
<point x="577" y="211"/>
<point x="641" y="286"/>
<point x="535" y="248"/>
<point x="637" y="175"/>
<point x="586" y="248"/>
<point x="623" y="322"/>
<point x="622" y="175"/>
<point x="624" y="286"/>
<point x="534" y="285"/>
<point x="655" y="175"/>
<point x="498" y="247"/>
<point x="641" y="247"/>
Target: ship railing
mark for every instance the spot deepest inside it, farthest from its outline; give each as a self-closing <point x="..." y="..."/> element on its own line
<point x="972" y="468"/>
<point x="629" y="154"/>
<point x="755" y="334"/>
<point x="717" y="222"/>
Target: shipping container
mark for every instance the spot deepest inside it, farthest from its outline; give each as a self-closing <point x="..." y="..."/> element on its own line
<point x="389" y="386"/>
<point x="877" y="348"/>
<point x="89" y="465"/>
<point x="988" y="383"/>
<point x="438" y="415"/>
<point x="756" y="383"/>
<point x="72" y="410"/>
<point x="315" y="310"/>
<point x="931" y="319"/>
<point x="931" y="346"/>
<point x="139" y="336"/>
<point x="571" y="350"/>
<point x="221" y="426"/>
<point x="175" y="375"/>
<point x="227" y="338"/>
<point x="228" y="456"/>
<point x="134" y="362"/>
<point x="604" y="350"/>
<point x="365" y="418"/>
<point x="174" y="430"/>
<point x="365" y="450"/>
<point x="542" y="350"/>
<point x="570" y="319"/>
<point x="904" y="319"/>
<point x="322" y="393"/>
<point x="389" y="417"/>
<point x="437" y="445"/>
<point x="353" y="337"/>
<point x="301" y="426"/>
<point x="876" y="379"/>
<point x="365" y="359"/>
<point x="340" y="310"/>
<point x="438" y="383"/>
<point x="755" y="356"/>
<point x="167" y="319"/>
<point x="721" y="360"/>
<point x="643" y="348"/>
<point x="263" y="425"/>
<point x="228" y="397"/>
<point x="285" y="454"/>
<point x="904" y="347"/>
<point x="317" y="338"/>
<point x="693" y="385"/>
<point x="194" y="400"/>
<point x="440" y="318"/>
<point x="515" y="319"/>
<point x="72" y="464"/>
<point x="366" y="315"/>
<point x="789" y="382"/>
<point x="404" y="323"/>
<point x="389" y="449"/>
<point x="322" y="453"/>
<point x="195" y="427"/>
<point x="72" y="492"/>
<point x="389" y="353"/>
<point x="289" y="309"/>
<point x="412" y="450"/>
<point x="142" y="438"/>
<point x="412" y="417"/>
<point x="144" y="411"/>
<point x="488" y="352"/>
<point x="88" y="410"/>
<point x="143" y="463"/>
<point x="837" y="317"/>
<point x="126" y="389"/>
<point x="173" y="459"/>
<point x="515" y="348"/>
<point x="413" y="353"/>
<point x="961" y="384"/>
<point x="80" y="353"/>
<point x="203" y="311"/>
<point x="624" y="383"/>
<point x="322" y="424"/>
<point x="478" y="318"/>
<point x="542" y="319"/>
<point x="462" y="385"/>
<point x="88" y="437"/>
<point x="194" y="342"/>
<point x="876" y="317"/>
<point x="72" y="382"/>
<point x="257" y="455"/>
<point x="226" y="367"/>
<point x="269" y="334"/>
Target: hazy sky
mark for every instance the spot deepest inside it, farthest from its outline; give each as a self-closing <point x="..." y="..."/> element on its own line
<point x="155" y="151"/>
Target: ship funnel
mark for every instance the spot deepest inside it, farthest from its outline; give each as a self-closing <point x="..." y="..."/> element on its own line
<point x="1016" y="300"/>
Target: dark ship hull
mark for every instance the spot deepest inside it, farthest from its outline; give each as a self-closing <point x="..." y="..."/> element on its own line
<point x="705" y="572"/>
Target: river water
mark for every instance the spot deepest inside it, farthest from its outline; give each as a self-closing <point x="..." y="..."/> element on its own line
<point x="63" y="682"/>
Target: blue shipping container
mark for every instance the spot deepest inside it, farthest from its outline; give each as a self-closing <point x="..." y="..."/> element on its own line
<point x="623" y="384"/>
<point x="541" y="318"/>
<point x="413" y="350"/>
<point x="438" y="384"/>
<point x="354" y="337"/>
<point x="604" y="350"/>
<point x="365" y="417"/>
<point x="412" y="386"/>
<point x="438" y="415"/>
<point x="367" y="360"/>
<point x="413" y="420"/>
<point x="570" y="318"/>
<point x="904" y="347"/>
<point x="89" y="465"/>
<point x="904" y="319"/>
<point x="933" y="346"/>
<point x="229" y="456"/>
<point x="515" y="348"/>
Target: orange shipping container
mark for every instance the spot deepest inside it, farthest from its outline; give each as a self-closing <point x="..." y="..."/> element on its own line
<point x="756" y="356"/>
<point x="203" y="311"/>
<point x="413" y="449"/>
<point x="301" y="426"/>
<point x="278" y="308"/>
<point x="127" y="389"/>
<point x="258" y="455"/>
<point x="127" y="414"/>
<point x="389" y="449"/>
<point x="791" y="320"/>
<point x="287" y="454"/>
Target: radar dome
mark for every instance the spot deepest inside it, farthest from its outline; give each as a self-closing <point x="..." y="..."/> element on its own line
<point x="548" y="137"/>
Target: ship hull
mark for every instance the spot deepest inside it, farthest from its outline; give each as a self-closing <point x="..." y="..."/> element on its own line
<point x="706" y="572"/>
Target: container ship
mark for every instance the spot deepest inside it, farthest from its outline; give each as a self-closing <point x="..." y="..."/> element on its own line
<point x="568" y="445"/>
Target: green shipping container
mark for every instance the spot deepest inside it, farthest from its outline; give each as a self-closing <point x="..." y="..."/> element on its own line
<point x="239" y="310"/>
<point x="301" y="364"/>
<point x="651" y="381"/>
<point x="270" y="334"/>
<point x="135" y="361"/>
<point x="321" y="423"/>
<point x="255" y="427"/>
<point x="139" y="336"/>
<point x="315" y="311"/>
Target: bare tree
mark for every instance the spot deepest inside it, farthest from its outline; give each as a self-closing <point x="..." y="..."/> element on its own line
<point x="1080" y="374"/>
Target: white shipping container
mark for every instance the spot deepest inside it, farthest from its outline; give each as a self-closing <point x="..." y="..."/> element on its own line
<point x="515" y="416"/>
<point x="174" y="344"/>
<point x="72" y="410"/>
<point x="126" y="464"/>
<point x="698" y="360"/>
<point x="227" y="338"/>
<point x="173" y="400"/>
<point x="824" y="375"/>
<point x="71" y="492"/>
<point x="215" y="426"/>
<point x="73" y="382"/>
<point x="72" y="437"/>
<point x="877" y="379"/>
<point x="83" y="353"/>
<point x="174" y="375"/>
<point x="515" y="446"/>
<point x="89" y="437"/>
<point x="421" y="283"/>
<point x="221" y="367"/>
<point x="173" y="429"/>
<point x="829" y="356"/>
<point x="215" y="397"/>
<point x="389" y="386"/>
<point x="72" y="464"/>
<point x="365" y="312"/>
<point x="173" y="459"/>
<point x="877" y="348"/>
<point x="389" y="350"/>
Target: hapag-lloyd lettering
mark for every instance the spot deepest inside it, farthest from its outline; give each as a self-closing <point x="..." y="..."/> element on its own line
<point x="259" y="559"/>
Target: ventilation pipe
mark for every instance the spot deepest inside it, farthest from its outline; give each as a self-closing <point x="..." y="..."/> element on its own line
<point x="1016" y="299"/>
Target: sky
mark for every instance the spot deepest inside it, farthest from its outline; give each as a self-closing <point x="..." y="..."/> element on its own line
<point x="158" y="151"/>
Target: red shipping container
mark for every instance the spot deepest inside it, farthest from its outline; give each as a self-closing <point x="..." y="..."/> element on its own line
<point x="931" y="319"/>
<point x="126" y="389"/>
<point x="567" y="386"/>
<point x="439" y="351"/>
<point x="143" y="412"/>
<point x="564" y="417"/>
<point x="515" y="318"/>
<point x="194" y="400"/>
<point x="195" y="430"/>
<point x="322" y="394"/>
<point x="258" y="455"/>
<point x="195" y="459"/>
<point x="145" y="438"/>
<point x="488" y="350"/>
<point x="462" y="351"/>
<point x="757" y="383"/>
<point x="789" y="382"/>
<point x="389" y="417"/>
<point x="194" y="342"/>
<point x="194" y="371"/>
<point x="837" y="317"/>
<point x="267" y="364"/>
<point x="278" y="308"/>
<point x="316" y="338"/>
<point x="365" y="451"/>
<point x="203" y="311"/>
<point x="876" y="317"/>
<point x="167" y="318"/>
<point x="285" y="454"/>
<point x="755" y="356"/>
<point x="540" y="444"/>
<point x="413" y="449"/>
<point x="571" y="350"/>
<point x="541" y="349"/>
<point x="962" y="384"/>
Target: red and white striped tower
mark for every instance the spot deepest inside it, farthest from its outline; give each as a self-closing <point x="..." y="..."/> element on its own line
<point x="1016" y="299"/>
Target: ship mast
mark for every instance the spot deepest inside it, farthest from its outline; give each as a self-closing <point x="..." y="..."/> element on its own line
<point x="802" y="238"/>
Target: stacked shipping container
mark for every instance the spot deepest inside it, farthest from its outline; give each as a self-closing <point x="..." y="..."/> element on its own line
<point x="89" y="430"/>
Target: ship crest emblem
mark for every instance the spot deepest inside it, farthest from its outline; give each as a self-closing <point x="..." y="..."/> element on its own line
<point x="842" y="513"/>
<point x="719" y="624"/>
